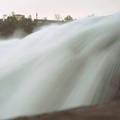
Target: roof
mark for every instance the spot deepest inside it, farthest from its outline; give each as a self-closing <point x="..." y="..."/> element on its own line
<point x="18" y="15"/>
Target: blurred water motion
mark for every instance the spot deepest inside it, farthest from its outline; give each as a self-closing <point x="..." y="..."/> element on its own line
<point x="61" y="67"/>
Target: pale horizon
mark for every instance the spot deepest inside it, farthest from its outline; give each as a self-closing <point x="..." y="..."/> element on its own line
<point x="48" y="8"/>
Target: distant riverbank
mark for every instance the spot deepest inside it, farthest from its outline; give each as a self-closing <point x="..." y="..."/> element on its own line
<point x="22" y="26"/>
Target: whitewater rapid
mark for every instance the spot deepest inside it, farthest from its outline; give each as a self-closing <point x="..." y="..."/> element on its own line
<point x="60" y="67"/>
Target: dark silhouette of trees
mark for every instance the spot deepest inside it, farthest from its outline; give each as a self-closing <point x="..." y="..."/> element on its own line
<point x="68" y="18"/>
<point x="26" y="24"/>
<point x="9" y="25"/>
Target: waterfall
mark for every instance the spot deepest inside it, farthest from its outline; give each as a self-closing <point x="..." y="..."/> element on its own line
<point x="60" y="67"/>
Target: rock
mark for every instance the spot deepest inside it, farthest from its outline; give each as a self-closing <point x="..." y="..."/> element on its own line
<point x="109" y="111"/>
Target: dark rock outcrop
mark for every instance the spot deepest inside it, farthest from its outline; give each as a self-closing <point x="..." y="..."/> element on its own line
<point x="109" y="111"/>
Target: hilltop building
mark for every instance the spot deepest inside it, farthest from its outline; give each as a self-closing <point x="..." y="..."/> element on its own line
<point x="41" y="22"/>
<point x="19" y="16"/>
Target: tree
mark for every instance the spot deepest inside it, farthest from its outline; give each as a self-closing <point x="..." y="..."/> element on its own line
<point x="26" y="24"/>
<point x="57" y="16"/>
<point x="10" y="24"/>
<point x="68" y="18"/>
<point x="30" y="17"/>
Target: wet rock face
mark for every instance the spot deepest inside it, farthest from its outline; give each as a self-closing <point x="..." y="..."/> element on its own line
<point x="109" y="111"/>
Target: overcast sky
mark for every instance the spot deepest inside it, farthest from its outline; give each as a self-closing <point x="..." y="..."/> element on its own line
<point x="48" y="8"/>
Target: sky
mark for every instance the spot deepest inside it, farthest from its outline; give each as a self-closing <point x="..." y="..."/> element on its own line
<point x="48" y="8"/>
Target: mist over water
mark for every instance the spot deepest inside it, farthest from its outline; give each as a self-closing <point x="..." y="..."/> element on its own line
<point x="60" y="67"/>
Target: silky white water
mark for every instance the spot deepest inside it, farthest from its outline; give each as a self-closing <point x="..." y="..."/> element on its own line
<point x="59" y="67"/>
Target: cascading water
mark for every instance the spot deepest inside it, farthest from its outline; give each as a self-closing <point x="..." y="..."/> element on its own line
<point x="60" y="67"/>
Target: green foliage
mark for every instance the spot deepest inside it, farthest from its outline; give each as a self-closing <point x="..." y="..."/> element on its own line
<point x="8" y="26"/>
<point x="11" y="24"/>
<point x="68" y="18"/>
<point x="26" y="24"/>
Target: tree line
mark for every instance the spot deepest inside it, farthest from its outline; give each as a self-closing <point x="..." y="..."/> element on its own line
<point x="10" y="24"/>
